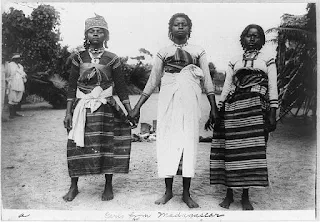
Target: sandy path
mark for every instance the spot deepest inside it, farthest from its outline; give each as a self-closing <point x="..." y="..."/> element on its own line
<point x="34" y="170"/>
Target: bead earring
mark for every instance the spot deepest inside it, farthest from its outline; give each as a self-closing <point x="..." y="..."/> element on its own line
<point x="171" y="36"/>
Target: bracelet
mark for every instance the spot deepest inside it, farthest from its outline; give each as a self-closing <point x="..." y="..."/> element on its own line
<point x="68" y="114"/>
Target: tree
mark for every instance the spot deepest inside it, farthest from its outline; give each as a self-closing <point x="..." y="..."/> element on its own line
<point x="37" y="38"/>
<point x="146" y="52"/>
<point x="296" y="62"/>
<point x="137" y="75"/>
<point x="217" y="78"/>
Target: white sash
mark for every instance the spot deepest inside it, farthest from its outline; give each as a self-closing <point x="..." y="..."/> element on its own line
<point x="91" y="100"/>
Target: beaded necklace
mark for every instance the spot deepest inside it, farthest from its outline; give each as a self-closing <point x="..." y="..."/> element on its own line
<point x="180" y="46"/>
<point x="96" y="54"/>
<point x="250" y="55"/>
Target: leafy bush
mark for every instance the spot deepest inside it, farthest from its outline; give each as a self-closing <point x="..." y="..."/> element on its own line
<point x="37" y="38"/>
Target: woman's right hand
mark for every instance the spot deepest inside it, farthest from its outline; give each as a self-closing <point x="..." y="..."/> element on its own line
<point x="214" y="120"/>
<point x="136" y="113"/>
<point x="68" y="122"/>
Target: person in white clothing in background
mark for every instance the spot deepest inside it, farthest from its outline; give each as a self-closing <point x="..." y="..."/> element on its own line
<point x="16" y="78"/>
<point x="4" y="113"/>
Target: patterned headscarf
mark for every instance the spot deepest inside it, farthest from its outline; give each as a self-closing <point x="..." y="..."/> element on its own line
<point x="96" y="22"/>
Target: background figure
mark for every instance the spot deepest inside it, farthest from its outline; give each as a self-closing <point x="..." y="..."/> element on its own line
<point x="16" y="78"/>
<point x="99" y="140"/>
<point x="179" y="68"/>
<point x="248" y="106"/>
<point x="4" y="114"/>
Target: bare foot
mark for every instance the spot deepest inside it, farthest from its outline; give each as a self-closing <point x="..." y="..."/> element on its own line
<point x="107" y="193"/>
<point x="163" y="200"/>
<point x="246" y="205"/>
<point x="72" y="193"/>
<point x="188" y="200"/>
<point x="226" y="202"/>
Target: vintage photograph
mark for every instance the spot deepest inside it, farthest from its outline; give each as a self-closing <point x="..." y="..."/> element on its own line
<point x="158" y="111"/>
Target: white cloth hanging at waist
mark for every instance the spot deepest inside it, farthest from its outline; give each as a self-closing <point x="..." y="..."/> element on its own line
<point x="92" y="100"/>
<point x="178" y="121"/>
<point x="189" y="77"/>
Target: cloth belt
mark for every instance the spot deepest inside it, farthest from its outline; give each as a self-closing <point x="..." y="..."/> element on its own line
<point x="92" y="100"/>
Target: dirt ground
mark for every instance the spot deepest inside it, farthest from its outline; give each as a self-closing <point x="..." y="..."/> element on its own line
<point x="34" y="170"/>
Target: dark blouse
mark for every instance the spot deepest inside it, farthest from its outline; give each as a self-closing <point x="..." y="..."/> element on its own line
<point x="181" y="59"/>
<point x="86" y="75"/>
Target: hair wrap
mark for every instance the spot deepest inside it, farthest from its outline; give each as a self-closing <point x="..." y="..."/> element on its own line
<point x="96" y="22"/>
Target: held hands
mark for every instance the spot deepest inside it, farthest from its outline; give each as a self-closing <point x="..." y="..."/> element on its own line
<point x="214" y="120"/>
<point x="134" y="116"/>
<point x="133" y="121"/>
<point x="136" y="113"/>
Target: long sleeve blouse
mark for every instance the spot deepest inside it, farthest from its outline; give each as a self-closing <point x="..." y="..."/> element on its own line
<point x="197" y="53"/>
<point x="262" y="62"/>
<point x="114" y="73"/>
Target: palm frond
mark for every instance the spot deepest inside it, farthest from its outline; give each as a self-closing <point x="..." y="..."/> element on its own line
<point x="272" y="41"/>
<point x="296" y="62"/>
<point x="53" y="88"/>
<point x="58" y="81"/>
<point x="296" y="33"/>
<point x="272" y="30"/>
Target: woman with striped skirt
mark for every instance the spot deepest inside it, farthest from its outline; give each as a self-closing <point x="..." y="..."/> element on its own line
<point x="99" y="133"/>
<point x="247" y="109"/>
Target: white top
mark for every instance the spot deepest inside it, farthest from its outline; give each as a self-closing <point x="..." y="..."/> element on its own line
<point x="15" y="76"/>
<point x="262" y="62"/>
<point x="157" y="72"/>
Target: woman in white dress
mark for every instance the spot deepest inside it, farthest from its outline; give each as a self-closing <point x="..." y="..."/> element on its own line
<point x="179" y="69"/>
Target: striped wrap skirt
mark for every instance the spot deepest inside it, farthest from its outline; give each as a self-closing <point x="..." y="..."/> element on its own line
<point x="107" y="144"/>
<point x="238" y="149"/>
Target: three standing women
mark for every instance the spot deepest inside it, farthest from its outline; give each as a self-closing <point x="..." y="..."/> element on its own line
<point x="248" y="106"/>
<point x="179" y="69"/>
<point x="100" y="134"/>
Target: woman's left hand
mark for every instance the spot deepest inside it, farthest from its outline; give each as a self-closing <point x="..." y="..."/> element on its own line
<point x="208" y="125"/>
<point x="272" y="120"/>
<point x="133" y="120"/>
<point x="136" y="112"/>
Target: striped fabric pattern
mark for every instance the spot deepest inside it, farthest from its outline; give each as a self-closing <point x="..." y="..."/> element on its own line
<point x="247" y="77"/>
<point x="238" y="149"/>
<point x="107" y="145"/>
<point x="270" y="62"/>
<point x="202" y="53"/>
